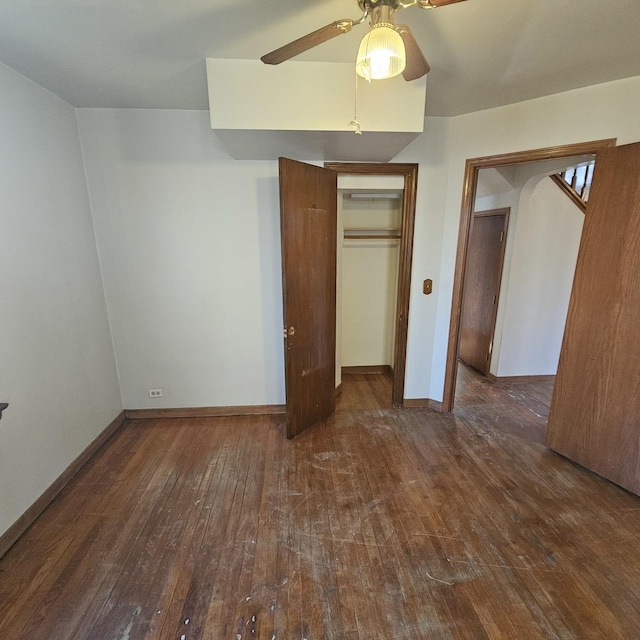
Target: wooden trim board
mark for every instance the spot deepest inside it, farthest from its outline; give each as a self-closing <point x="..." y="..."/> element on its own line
<point x="11" y="536"/>
<point x="516" y="379"/>
<point x="422" y="403"/>
<point x="569" y="192"/>
<point x="366" y="369"/>
<point x="415" y="403"/>
<point x="205" y="412"/>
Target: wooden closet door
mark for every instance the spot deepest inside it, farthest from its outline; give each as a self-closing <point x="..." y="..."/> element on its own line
<point x="595" y="411"/>
<point x="308" y="219"/>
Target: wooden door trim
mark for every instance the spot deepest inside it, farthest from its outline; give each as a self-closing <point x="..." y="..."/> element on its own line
<point x="472" y="168"/>
<point x="410" y="174"/>
<point x="492" y="212"/>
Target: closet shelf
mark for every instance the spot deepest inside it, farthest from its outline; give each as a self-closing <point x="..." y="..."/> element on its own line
<point x="371" y="234"/>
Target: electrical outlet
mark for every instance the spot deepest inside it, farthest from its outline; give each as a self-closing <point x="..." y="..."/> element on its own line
<point x="156" y="393"/>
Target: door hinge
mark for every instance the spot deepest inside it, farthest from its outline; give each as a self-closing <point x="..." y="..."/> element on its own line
<point x="501" y="236"/>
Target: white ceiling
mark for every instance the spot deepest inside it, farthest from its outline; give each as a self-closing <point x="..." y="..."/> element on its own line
<point x="150" y="53"/>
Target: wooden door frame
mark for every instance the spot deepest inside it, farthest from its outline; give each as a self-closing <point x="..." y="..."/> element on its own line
<point x="410" y="174"/>
<point x="472" y="169"/>
<point x="505" y="212"/>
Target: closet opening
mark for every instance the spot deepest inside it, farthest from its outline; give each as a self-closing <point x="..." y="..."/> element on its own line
<point x="376" y="212"/>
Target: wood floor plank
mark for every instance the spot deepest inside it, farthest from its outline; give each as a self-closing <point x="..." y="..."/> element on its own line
<point x="76" y="576"/>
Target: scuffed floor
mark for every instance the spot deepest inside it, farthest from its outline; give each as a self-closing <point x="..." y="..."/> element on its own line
<point x="381" y="523"/>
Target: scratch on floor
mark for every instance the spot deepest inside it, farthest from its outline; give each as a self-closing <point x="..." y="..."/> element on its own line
<point x="503" y="566"/>
<point x="268" y="592"/>
<point x="435" y="535"/>
<point x="126" y="634"/>
<point x="438" y="579"/>
<point x="325" y="455"/>
<point x="390" y="541"/>
<point x="289" y="512"/>
<point x="345" y="541"/>
<point x="411" y="631"/>
<point x="306" y="555"/>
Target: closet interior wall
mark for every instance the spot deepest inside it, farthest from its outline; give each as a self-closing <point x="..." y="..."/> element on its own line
<point x="369" y="222"/>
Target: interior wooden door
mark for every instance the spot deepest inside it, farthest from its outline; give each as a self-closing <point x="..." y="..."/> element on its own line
<point x="595" y="410"/>
<point x="485" y="257"/>
<point x="308" y="219"/>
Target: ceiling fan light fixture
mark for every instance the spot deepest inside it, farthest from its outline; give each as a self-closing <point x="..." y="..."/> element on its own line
<point x="381" y="54"/>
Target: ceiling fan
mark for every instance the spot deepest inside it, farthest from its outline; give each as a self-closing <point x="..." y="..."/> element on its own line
<point x="386" y="50"/>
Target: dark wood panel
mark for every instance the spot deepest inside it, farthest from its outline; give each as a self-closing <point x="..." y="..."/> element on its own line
<point x="308" y="224"/>
<point x="307" y="42"/>
<point x="595" y="415"/>
<point x="372" y="168"/>
<point x="371" y="368"/>
<point x="383" y="524"/>
<point x="413" y="403"/>
<point x="416" y="65"/>
<point x="485" y="257"/>
<point x="205" y="412"/>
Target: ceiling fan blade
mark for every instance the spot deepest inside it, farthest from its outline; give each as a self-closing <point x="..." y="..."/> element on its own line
<point x="417" y="65"/>
<point x="442" y="3"/>
<point x="307" y="42"/>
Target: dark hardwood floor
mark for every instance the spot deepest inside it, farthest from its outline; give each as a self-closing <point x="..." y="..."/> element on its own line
<point x="519" y="408"/>
<point x="381" y="523"/>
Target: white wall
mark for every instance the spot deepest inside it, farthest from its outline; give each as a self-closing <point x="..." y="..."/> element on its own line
<point x="369" y="282"/>
<point x="602" y="111"/>
<point x="189" y="241"/>
<point x="57" y="366"/>
<point x="539" y="263"/>
<point x="369" y="293"/>
<point x="431" y="151"/>
<point x="347" y="184"/>
<point x="545" y="248"/>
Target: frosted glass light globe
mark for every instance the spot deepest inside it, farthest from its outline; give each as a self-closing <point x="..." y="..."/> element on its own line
<point x="381" y="53"/>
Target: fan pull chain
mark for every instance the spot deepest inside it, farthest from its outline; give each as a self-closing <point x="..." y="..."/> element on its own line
<point x="355" y="123"/>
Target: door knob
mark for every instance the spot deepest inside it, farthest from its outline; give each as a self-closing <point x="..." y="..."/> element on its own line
<point x="292" y="331"/>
